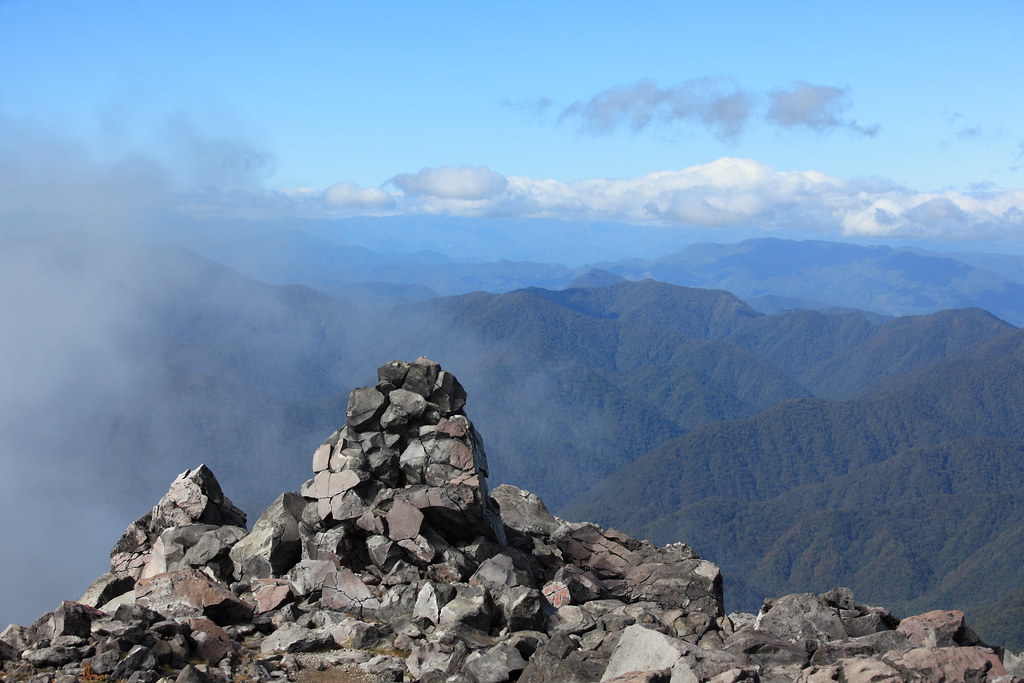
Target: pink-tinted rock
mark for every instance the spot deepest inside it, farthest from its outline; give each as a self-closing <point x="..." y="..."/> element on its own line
<point x="557" y="593"/>
<point x="212" y="642"/>
<point x="270" y="594"/>
<point x="453" y="428"/>
<point x="189" y="592"/>
<point x="404" y="520"/>
<point x="346" y="592"/>
<point x="950" y="663"/>
<point x="461" y="455"/>
<point x="939" y="628"/>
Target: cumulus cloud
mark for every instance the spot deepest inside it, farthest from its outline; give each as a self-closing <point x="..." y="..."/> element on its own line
<point x="452" y="182"/>
<point x="816" y="107"/>
<point x="728" y="192"/>
<point x="718" y="104"/>
<point x="350" y="196"/>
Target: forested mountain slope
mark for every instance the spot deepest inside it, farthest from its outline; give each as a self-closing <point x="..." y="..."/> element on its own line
<point x="909" y="493"/>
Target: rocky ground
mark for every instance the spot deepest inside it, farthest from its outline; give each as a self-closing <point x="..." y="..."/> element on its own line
<point x="396" y="562"/>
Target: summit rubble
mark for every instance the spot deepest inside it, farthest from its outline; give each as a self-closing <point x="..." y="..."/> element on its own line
<point x="396" y="561"/>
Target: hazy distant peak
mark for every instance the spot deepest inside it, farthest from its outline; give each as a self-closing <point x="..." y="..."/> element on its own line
<point x="595" y="277"/>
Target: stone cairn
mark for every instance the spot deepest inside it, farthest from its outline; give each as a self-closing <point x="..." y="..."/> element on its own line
<point x="396" y="562"/>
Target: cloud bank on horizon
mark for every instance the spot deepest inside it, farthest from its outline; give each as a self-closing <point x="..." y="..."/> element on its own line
<point x="728" y="192"/>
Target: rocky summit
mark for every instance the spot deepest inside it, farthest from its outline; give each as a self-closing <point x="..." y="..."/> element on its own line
<point x="396" y="561"/>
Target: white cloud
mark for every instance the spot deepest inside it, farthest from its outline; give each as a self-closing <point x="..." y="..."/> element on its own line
<point x="452" y="182"/>
<point x="724" y="193"/>
<point x="346" y="195"/>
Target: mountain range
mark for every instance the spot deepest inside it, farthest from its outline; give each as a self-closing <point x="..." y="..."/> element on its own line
<point x="798" y="449"/>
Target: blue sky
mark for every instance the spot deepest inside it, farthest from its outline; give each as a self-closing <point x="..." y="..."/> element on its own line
<point x="868" y="119"/>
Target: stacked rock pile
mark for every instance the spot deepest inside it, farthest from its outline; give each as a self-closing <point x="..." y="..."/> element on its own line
<point x="396" y="562"/>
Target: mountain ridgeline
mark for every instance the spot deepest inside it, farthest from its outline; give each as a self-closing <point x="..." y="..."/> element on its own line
<point x="798" y="450"/>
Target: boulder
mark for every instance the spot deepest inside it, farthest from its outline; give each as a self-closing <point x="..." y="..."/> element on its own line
<point x="494" y="665"/>
<point x="774" y="655"/>
<point x="190" y="592"/>
<point x="344" y="591"/>
<point x="365" y="407"/>
<point x="802" y="616"/>
<point x="212" y="643"/>
<point x="642" y="649"/>
<point x="948" y="663"/>
<point x="524" y="511"/>
<point x="939" y="628"/>
<point x="74" y="619"/>
<point x="52" y="656"/>
<point x="105" y="588"/>
<point x="275" y="543"/>
<point x="139" y="658"/>
<point x="295" y="638"/>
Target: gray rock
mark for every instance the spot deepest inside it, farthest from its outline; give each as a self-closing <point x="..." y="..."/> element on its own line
<point x="521" y="608"/>
<point x="642" y="649"/>
<point x="195" y="496"/>
<point x="139" y="658"/>
<point x="421" y="377"/>
<point x="213" y="548"/>
<point x="105" y="588"/>
<point x="308" y="576"/>
<point x="448" y="395"/>
<point x="275" y="543"/>
<point x="471" y="606"/>
<point x="403" y="406"/>
<point x="19" y="637"/>
<point x="74" y="619"/>
<point x="570" y="619"/>
<point x="385" y="668"/>
<point x="773" y="654"/>
<point x="429" y="601"/>
<point x="393" y="372"/>
<point x="104" y="662"/>
<point x="802" y="616"/>
<point x="191" y="674"/>
<point x="524" y="511"/>
<point x="346" y="592"/>
<point x="436" y="658"/>
<point x="52" y="656"/>
<point x="494" y="665"/>
<point x="499" y="572"/>
<point x="559" y="661"/>
<point x="295" y="638"/>
<point x="365" y="406"/>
